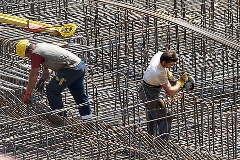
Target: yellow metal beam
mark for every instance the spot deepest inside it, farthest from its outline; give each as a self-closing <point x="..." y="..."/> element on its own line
<point x="35" y="26"/>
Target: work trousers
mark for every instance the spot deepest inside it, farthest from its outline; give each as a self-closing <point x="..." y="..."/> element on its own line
<point x="73" y="79"/>
<point x="159" y="121"/>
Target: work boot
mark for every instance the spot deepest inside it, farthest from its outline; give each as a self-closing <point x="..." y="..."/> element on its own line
<point x="88" y="117"/>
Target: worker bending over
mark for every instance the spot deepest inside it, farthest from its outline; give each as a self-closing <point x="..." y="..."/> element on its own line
<point x="69" y="68"/>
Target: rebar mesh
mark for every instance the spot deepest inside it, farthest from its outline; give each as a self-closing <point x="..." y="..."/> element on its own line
<point x="117" y="39"/>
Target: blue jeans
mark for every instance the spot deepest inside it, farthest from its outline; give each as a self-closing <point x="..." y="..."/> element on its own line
<point x="159" y="120"/>
<point x="73" y="79"/>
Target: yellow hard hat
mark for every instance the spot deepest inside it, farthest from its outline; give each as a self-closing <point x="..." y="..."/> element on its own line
<point x="21" y="47"/>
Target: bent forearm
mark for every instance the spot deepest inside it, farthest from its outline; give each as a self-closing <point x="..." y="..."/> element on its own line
<point x="174" y="89"/>
<point x="171" y="90"/>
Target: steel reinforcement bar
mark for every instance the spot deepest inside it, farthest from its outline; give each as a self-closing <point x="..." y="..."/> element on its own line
<point x="207" y="33"/>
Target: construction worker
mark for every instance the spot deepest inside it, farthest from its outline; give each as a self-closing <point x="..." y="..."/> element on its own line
<point x="69" y="73"/>
<point x="156" y="77"/>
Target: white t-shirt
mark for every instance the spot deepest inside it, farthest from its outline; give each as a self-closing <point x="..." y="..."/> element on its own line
<point x="156" y="74"/>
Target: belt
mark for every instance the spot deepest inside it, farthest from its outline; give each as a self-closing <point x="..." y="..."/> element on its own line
<point x="145" y="83"/>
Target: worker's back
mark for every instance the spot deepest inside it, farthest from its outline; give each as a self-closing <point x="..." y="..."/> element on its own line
<point x="56" y="57"/>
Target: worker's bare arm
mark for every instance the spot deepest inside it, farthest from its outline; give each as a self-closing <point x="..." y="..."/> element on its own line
<point x="32" y="79"/>
<point x="170" y="90"/>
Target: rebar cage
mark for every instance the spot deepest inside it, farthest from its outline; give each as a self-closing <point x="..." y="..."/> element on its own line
<point x="117" y="39"/>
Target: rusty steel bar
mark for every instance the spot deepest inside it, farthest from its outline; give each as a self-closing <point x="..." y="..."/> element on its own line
<point x="117" y="41"/>
<point x="212" y="35"/>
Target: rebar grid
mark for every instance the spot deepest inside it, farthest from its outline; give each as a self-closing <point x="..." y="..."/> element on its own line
<point x="117" y="39"/>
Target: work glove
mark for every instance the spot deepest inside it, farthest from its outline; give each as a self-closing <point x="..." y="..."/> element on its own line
<point x="27" y="98"/>
<point x="183" y="79"/>
<point x="40" y="85"/>
<point x="171" y="79"/>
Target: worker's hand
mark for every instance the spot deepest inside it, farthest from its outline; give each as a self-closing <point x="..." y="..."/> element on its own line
<point x="26" y="98"/>
<point x="183" y="79"/>
<point x="171" y="79"/>
<point x="40" y="85"/>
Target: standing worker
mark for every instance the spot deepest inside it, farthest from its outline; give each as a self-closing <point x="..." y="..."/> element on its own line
<point x="156" y="77"/>
<point x="70" y="71"/>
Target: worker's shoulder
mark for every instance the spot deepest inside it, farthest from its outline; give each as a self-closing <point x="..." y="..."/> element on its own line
<point x="157" y="56"/>
<point x="159" y="53"/>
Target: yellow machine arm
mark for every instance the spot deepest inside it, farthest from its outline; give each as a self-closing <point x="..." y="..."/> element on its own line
<point x="34" y="26"/>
